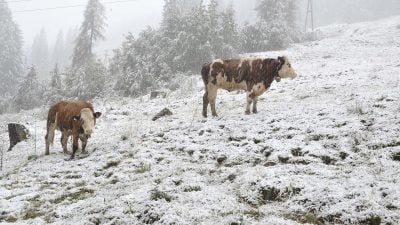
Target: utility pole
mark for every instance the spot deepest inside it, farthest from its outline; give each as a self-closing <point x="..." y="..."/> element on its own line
<point x="311" y="13"/>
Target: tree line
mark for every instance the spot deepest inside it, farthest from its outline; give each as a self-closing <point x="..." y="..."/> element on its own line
<point x="190" y="34"/>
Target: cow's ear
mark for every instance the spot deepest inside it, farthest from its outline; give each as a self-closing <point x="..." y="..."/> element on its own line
<point x="76" y="118"/>
<point x="281" y="60"/>
<point x="97" y="114"/>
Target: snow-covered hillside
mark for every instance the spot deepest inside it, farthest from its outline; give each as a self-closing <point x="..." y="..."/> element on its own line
<point x="323" y="149"/>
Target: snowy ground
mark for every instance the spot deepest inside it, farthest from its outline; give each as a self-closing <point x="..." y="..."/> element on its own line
<point x="323" y="149"/>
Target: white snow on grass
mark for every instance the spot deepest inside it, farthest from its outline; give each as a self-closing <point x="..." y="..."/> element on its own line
<point x="321" y="150"/>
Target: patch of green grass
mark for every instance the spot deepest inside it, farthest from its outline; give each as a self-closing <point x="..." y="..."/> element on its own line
<point x="143" y="168"/>
<point x="158" y="195"/>
<point x="372" y="220"/>
<point x="254" y="213"/>
<point x="8" y="218"/>
<point x="305" y="218"/>
<point x="73" y="196"/>
<point x="192" y="188"/>
<point x="32" y="213"/>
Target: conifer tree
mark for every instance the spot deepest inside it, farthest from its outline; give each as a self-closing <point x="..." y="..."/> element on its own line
<point x="86" y="75"/>
<point x="10" y="52"/>
<point x="29" y="92"/>
<point x="40" y="54"/>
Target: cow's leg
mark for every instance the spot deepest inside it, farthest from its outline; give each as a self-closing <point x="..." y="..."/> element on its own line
<point x="64" y="141"/>
<point x="205" y="104"/>
<point x="84" y="140"/>
<point x="249" y="100"/>
<point x="255" y="104"/>
<point x="75" y="138"/>
<point x="51" y="127"/>
<point x="212" y="96"/>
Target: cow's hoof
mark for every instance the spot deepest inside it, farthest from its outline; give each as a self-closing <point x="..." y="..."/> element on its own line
<point x="247" y="112"/>
<point x="255" y="111"/>
<point x="84" y="152"/>
<point x="67" y="152"/>
<point x="215" y="115"/>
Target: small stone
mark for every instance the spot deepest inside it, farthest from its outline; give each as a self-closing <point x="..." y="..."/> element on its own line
<point x="283" y="159"/>
<point x="343" y="155"/>
<point x="231" y="177"/>
<point x="221" y="159"/>
<point x="297" y="152"/>
<point x="162" y="113"/>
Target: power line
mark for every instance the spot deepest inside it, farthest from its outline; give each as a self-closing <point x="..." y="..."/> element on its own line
<point x="16" y="1"/>
<point x="67" y="6"/>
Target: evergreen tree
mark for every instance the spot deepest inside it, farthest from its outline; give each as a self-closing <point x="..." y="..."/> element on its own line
<point x="29" y="92"/>
<point x="230" y="34"/>
<point x="70" y="39"/>
<point x="54" y="92"/>
<point x="10" y="51"/>
<point x="170" y="24"/>
<point x="59" y="55"/>
<point x="40" y="54"/>
<point x="275" y="28"/>
<point x="55" y="82"/>
<point x="215" y="30"/>
<point x="91" y="31"/>
<point x="86" y="76"/>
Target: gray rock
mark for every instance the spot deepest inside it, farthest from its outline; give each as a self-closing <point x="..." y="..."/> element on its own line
<point x="17" y="133"/>
<point x="162" y="113"/>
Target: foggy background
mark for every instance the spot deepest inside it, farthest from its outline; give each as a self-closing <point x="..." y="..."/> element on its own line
<point x="135" y="15"/>
<point x="48" y="51"/>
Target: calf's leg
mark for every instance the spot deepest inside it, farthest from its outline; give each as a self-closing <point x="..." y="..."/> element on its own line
<point x="64" y="141"/>
<point x="205" y="104"/>
<point x="84" y="140"/>
<point x="249" y="100"/>
<point x="255" y="104"/>
<point x="51" y="127"/>
<point x="74" y="145"/>
<point x="212" y="96"/>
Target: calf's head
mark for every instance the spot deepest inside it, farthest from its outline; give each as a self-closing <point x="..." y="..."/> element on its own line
<point x="285" y="69"/>
<point x="86" y="120"/>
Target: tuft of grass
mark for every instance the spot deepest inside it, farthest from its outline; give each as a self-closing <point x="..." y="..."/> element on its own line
<point x="306" y="218"/>
<point x="158" y="195"/>
<point x="32" y="213"/>
<point x="143" y="168"/>
<point x="358" y="109"/>
<point x="74" y="196"/>
<point x="9" y="219"/>
<point x="372" y="220"/>
<point x="124" y="137"/>
<point x="111" y="164"/>
<point x="254" y="213"/>
<point x="192" y="189"/>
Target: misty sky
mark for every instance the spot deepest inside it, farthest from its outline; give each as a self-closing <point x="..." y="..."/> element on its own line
<point x="122" y="17"/>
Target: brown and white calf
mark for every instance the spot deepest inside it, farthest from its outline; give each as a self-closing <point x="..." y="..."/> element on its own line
<point x="76" y="118"/>
<point x="254" y="75"/>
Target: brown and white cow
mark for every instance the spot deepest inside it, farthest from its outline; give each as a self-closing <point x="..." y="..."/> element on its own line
<point x="254" y="75"/>
<point x="76" y="118"/>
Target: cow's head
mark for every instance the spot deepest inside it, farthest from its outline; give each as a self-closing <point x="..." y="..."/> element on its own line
<point x="285" y="69"/>
<point x="86" y="120"/>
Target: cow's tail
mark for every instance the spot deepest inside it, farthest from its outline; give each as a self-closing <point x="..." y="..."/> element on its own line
<point x="205" y="71"/>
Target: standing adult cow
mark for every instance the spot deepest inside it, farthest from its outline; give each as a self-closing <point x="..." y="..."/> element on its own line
<point x="76" y="118"/>
<point x="254" y="75"/>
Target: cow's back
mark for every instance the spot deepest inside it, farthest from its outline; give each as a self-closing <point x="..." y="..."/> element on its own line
<point x="63" y="112"/>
